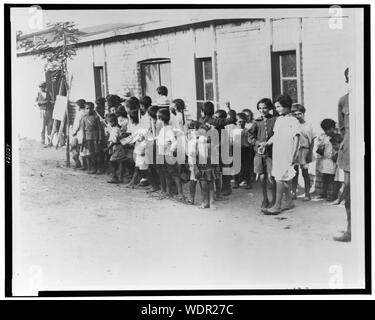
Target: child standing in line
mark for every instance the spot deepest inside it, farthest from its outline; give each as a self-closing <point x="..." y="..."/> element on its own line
<point x="207" y="172"/>
<point x="92" y="137"/>
<point x="151" y="150"/>
<point x="327" y="151"/>
<point x="115" y="149"/>
<point x="260" y="132"/>
<point x="77" y="134"/>
<point x="246" y="161"/>
<point x="285" y="141"/>
<point x="306" y="145"/>
<point x="100" y="106"/>
<point x="192" y="140"/>
<point x="167" y="145"/>
<point x="249" y="118"/>
<point x="178" y="109"/>
<point x="145" y="103"/>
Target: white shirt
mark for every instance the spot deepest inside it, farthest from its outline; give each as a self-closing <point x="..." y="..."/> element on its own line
<point x="166" y="141"/>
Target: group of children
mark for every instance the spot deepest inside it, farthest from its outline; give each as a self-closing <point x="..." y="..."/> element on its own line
<point x="155" y="146"/>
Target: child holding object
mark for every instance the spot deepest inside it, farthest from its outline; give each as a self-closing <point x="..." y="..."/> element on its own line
<point x="327" y="151"/>
<point x="285" y="141"/>
<point x="260" y="132"/>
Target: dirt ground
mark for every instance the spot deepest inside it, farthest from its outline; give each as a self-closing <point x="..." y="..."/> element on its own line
<point x="75" y="231"/>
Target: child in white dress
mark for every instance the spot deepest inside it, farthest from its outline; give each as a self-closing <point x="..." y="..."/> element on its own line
<point x="285" y="143"/>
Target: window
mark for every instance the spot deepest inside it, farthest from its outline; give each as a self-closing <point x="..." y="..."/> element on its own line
<point x="204" y="82"/>
<point x="284" y="75"/>
<point x="99" y="82"/>
<point x="154" y="74"/>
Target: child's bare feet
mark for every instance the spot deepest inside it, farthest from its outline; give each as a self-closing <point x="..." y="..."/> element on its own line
<point x="204" y="206"/>
<point x="271" y="211"/>
<point x="213" y="206"/>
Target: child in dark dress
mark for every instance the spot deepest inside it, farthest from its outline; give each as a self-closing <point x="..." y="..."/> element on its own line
<point x="92" y="137"/>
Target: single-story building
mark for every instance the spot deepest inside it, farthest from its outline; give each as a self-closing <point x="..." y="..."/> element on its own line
<point x="236" y="60"/>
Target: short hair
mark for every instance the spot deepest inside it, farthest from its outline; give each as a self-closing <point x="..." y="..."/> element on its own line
<point x="89" y="104"/>
<point x="152" y="111"/>
<point x="328" y="124"/>
<point x="81" y="103"/>
<point x="100" y="101"/>
<point x="146" y="101"/>
<point x="242" y="116"/>
<point x="298" y="107"/>
<point x="133" y="114"/>
<point x="113" y="100"/>
<point x="267" y="102"/>
<point x="285" y="100"/>
<point x="164" y="115"/>
<point x="221" y="113"/>
<point x="121" y="112"/>
<point x="162" y="90"/>
<point x="180" y="104"/>
<point x="346" y="74"/>
<point x="43" y="84"/>
<point x="208" y="108"/>
<point x="250" y="112"/>
<point x="132" y="104"/>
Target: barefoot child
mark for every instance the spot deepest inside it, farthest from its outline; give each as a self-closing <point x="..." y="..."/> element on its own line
<point x="260" y="133"/>
<point x="207" y="171"/>
<point x="306" y="146"/>
<point x="115" y="149"/>
<point x="327" y="150"/>
<point x="167" y="145"/>
<point x="92" y="137"/>
<point x="285" y="141"/>
<point x="77" y="134"/>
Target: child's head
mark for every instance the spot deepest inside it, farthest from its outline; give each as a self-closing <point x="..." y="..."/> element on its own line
<point x="133" y="115"/>
<point x="100" y="101"/>
<point x="241" y="119"/>
<point x="113" y="100"/>
<point x="121" y="112"/>
<point x="89" y="108"/>
<point x="208" y="109"/>
<point x="162" y="91"/>
<point x="81" y="104"/>
<point x="152" y="112"/>
<point x="145" y="102"/>
<point x="328" y="126"/>
<point x="112" y="119"/>
<point x="131" y="104"/>
<point x="298" y="110"/>
<point x="264" y="106"/>
<point x="249" y="114"/>
<point x="283" y="104"/>
<point x="221" y="114"/>
<point x="164" y="115"/>
<point x="178" y="105"/>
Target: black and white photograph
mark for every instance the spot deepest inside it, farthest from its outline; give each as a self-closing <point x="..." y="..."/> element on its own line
<point x="187" y="149"/>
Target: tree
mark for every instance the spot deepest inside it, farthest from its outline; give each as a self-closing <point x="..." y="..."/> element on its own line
<point x="56" y="46"/>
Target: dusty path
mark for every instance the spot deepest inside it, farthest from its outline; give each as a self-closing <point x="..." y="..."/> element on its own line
<point x="76" y="231"/>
